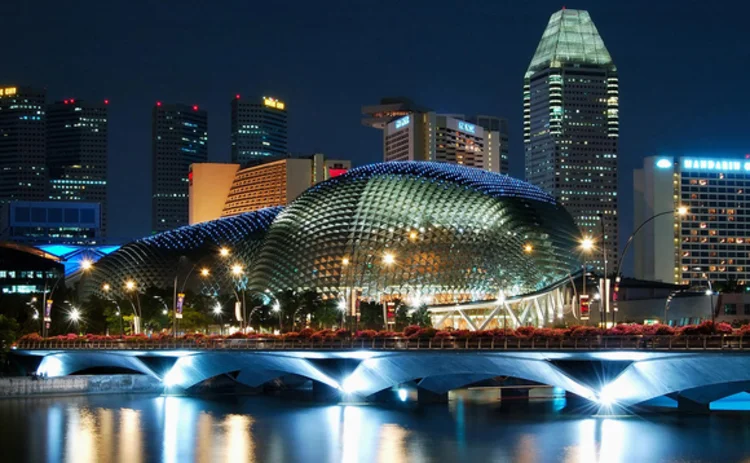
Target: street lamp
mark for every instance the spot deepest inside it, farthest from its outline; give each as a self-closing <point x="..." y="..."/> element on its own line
<point x="528" y="248"/>
<point x="680" y="211"/>
<point x="106" y="287"/>
<point x="709" y="292"/>
<point x="237" y="270"/>
<point x="205" y="272"/>
<point x="277" y="308"/>
<point x="587" y="246"/>
<point x="389" y="258"/>
<point x="86" y="264"/>
<point x="224" y="252"/>
<point x="132" y="288"/>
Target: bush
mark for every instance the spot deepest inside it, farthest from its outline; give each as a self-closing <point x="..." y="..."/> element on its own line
<point x="31" y="337"/>
<point x="744" y="330"/>
<point x="411" y="330"/>
<point x="525" y="331"/>
<point x="723" y="328"/>
<point x="626" y="329"/>
<point x="425" y="333"/>
<point x="237" y="335"/>
<point x="343" y="333"/>
<point x="387" y="334"/>
<point x="584" y="331"/>
<point x="443" y="334"/>
<point x="659" y="330"/>
<point x="366" y="334"/>
<point x="306" y="333"/>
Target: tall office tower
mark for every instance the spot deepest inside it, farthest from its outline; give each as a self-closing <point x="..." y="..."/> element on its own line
<point x="77" y="153"/>
<point x="571" y="126"/>
<point x="179" y="137"/>
<point x="22" y="144"/>
<point x="259" y="130"/>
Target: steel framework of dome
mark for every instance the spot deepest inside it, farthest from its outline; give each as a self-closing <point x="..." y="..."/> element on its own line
<point x="154" y="261"/>
<point x="402" y="229"/>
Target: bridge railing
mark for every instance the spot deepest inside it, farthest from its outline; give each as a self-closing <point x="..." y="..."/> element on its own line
<point x="645" y="343"/>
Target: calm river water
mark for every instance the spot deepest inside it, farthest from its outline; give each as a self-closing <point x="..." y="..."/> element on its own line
<point x="133" y="429"/>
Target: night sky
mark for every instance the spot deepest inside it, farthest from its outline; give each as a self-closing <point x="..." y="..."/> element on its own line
<point x="683" y="67"/>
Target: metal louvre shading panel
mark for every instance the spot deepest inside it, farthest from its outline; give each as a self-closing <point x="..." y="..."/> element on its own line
<point x="155" y="260"/>
<point x="403" y="228"/>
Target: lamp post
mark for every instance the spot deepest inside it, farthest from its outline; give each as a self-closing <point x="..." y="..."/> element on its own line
<point x="388" y="259"/>
<point x="132" y="287"/>
<point x="106" y="287"/>
<point x="587" y="246"/>
<point x="680" y="211"/>
<point x="709" y="292"/>
<point x="277" y="308"/>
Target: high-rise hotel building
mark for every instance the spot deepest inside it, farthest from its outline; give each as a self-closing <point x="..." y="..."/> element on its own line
<point x="77" y="153"/>
<point x="23" y="125"/>
<point x="571" y="126"/>
<point x="414" y="133"/>
<point x="712" y="240"/>
<point x="179" y="137"/>
<point x="259" y="130"/>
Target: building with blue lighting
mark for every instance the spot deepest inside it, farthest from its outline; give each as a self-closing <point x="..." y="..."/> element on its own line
<point x="711" y="242"/>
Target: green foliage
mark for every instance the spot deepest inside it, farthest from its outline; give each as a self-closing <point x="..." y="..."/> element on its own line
<point x="421" y="317"/>
<point x="370" y="315"/>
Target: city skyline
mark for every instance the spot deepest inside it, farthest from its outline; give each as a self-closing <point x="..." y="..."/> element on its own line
<point x="329" y="93"/>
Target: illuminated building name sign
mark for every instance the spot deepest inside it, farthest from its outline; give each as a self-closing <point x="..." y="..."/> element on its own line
<point x="403" y="122"/>
<point x="273" y="103"/>
<point x="8" y="91"/>
<point x="718" y="165"/>
<point x="466" y="127"/>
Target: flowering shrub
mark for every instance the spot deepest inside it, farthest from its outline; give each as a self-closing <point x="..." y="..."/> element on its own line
<point x="306" y="333"/>
<point x="237" y="335"/>
<point x="704" y="328"/>
<point x="31" y="337"/>
<point x="723" y="328"/>
<point x="366" y="334"/>
<point x="659" y="330"/>
<point x="343" y="333"/>
<point x="387" y="334"/>
<point x="443" y="334"/>
<point x="425" y="333"/>
<point x="584" y="331"/>
<point x="411" y="330"/>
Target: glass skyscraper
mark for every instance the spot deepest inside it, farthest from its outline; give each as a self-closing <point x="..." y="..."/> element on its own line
<point x="571" y="126"/>
<point x="179" y="138"/>
<point x="259" y="130"/>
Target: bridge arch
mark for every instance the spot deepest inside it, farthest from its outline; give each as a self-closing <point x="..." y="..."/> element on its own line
<point x="702" y="378"/>
<point x="378" y="373"/>
<point x="64" y="363"/>
<point x="254" y="369"/>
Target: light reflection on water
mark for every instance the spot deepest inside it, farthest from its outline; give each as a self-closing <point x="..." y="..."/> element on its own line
<point x="137" y="429"/>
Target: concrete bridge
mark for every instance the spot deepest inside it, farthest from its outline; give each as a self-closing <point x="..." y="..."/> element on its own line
<point x="713" y="368"/>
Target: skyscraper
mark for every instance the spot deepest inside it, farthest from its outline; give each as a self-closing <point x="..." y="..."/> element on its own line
<point x="571" y="126"/>
<point x="259" y="130"/>
<point x="77" y="153"/>
<point x="179" y="137"/>
<point x="22" y="144"/>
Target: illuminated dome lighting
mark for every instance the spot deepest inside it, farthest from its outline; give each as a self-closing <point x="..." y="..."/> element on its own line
<point x="155" y="260"/>
<point x="448" y="232"/>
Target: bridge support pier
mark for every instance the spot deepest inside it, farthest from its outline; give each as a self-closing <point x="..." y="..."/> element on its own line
<point x="686" y="405"/>
<point x="425" y="396"/>
<point x="325" y="393"/>
<point x="514" y="393"/>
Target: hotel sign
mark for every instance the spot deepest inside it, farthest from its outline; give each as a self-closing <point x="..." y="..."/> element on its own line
<point x="466" y="127"/>
<point x="7" y="91"/>
<point x="403" y="122"/>
<point x="716" y="165"/>
<point x="273" y="103"/>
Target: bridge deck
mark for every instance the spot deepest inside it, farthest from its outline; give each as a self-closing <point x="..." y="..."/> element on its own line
<point x="641" y="343"/>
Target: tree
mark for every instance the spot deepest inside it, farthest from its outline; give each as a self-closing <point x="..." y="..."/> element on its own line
<point x="403" y="319"/>
<point x="370" y="315"/>
<point x="421" y="317"/>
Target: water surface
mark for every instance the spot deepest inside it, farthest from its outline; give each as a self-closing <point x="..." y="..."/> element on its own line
<point x="240" y="429"/>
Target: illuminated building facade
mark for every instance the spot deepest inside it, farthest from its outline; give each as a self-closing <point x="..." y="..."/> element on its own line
<point x="223" y="190"/>
<point x="77" y="153"/>
<point x="713" y="240"/>
<point x="571" y="125"/>
<point x="403" y="229"/>
<point x="23" y="142"/>
<point x="27" y="270"/>
<point x="398" y="229"/>
<point x="259" y="130"/>
<point x="179" y="139"/>
<point x="428" y="136"/>
<point x="414" y="133"/>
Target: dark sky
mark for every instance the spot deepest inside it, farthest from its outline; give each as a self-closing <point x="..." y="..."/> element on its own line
<point x="683" y="66"/>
